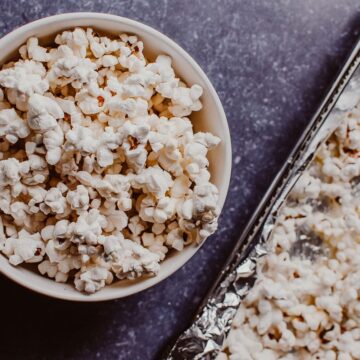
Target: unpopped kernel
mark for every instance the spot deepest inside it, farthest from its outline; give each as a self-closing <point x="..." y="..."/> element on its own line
<point x="101" y="173"/>
<point x="305" y="302"/>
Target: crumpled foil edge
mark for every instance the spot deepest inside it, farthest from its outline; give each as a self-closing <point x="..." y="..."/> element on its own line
<point x="206" y="335"/>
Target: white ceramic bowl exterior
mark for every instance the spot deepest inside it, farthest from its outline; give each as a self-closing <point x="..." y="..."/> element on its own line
<point x="211" y="118"/>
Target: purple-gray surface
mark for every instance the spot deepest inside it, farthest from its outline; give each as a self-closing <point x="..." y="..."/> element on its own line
<point x="271" y="62"/>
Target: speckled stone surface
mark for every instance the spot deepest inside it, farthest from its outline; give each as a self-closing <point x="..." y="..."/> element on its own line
<point x="271" y="62"/>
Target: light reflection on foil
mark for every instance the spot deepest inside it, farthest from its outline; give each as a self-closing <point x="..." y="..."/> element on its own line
<point x="205" y="337"/>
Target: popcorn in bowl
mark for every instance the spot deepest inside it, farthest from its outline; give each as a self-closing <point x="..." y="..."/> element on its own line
<point x="101" y="173"/>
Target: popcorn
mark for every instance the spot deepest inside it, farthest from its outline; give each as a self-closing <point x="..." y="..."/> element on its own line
<point x="53" y="141"/>
<point x="97" y="50"/>
<point x="20" y="213"/>
<point x="47" y="268"/>
<point x="153" y="180"/>
<point x="109" y="60"/>
<point x="12" y="127"/>
<point x="88" y="227"/>
<point x="101" y="173"/>
<point x="70" y="69"/>
<point x="78" y="199"/>
<point x="24" y="248"/>
<point x="93" y="141"/>
<point x="76" y="40"/>
<point x="22" y="80"/>
<point x="93" y="279"/>
<point x="54" y="201"/>
<point x="117" y="219"/>
<point x="130" y="260"/>
<point x="36" y="52"/>
<point x="308" y="308"/>
<point x="43" y="113"/>
<point x="10" y="172"/>
<point x="175" y="239"/>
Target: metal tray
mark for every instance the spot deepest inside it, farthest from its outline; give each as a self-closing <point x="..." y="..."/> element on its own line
<point x="204" y="337"/>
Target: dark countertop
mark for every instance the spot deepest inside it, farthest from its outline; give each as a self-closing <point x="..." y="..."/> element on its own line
<point x="271" y="62"/>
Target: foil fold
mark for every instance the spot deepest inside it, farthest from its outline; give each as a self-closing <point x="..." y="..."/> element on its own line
<point x="204" y="338"/>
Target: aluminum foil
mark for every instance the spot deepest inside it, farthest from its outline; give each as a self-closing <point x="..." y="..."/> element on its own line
<point x="205" y="336"/>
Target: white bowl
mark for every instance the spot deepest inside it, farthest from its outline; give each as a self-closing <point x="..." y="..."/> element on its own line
<point x="211" y="118"/>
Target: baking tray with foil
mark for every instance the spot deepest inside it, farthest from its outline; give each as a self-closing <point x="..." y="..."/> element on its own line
<point x="205" y="336"/>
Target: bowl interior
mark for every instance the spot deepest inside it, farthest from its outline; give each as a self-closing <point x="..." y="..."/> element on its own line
<point x="211" y="118"/>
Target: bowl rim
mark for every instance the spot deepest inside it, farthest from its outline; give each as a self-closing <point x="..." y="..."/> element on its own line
<point x="68" y="17"/>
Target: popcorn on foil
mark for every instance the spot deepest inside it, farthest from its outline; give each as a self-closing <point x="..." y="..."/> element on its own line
<point x="205" y="337"/>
